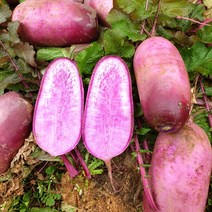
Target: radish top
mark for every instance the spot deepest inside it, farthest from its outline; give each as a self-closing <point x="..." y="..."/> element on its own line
<point x="59" y="108"/>
<point x="108" y="117"/>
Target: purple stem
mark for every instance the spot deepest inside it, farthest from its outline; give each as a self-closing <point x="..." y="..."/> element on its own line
<point x="83" y="164"/>
<point x="74" y="157"/>
<point x="71" y="169"/>
<point x="145" y="182"/>
<point x="202" y="103"/>
<point x="16" y="69"/>
<point x="109" y="169"/>
<point x="206" y="102"/>
<point x="147" y="154"/>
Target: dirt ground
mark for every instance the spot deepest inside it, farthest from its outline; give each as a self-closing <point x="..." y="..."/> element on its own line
<point x="94" y="195"/>
<point x="97" y="194"/>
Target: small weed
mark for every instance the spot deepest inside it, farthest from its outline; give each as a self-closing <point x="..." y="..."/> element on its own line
<point x="94" y="164"/>
<point x="42" y="192"/>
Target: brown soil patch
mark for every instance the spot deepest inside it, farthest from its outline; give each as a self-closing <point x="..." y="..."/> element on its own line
<point x="96" y="195"/>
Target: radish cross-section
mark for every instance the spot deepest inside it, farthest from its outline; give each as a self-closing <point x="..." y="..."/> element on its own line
<point x="108" y="116"/>
<point x="59" y="108"/>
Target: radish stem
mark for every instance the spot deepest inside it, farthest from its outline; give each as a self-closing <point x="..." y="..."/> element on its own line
<point x="153" y="32"/>
<point x="109" y="169"/>
<point x="82" y="162"/>
<point x="72" y="171"/>
<point x="147" y="191"/>
<point x="206" y="102"/>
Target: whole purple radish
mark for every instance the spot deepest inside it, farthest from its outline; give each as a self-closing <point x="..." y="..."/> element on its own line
<point x="56" y="23"/>
<point x="15" y="126"/>
<point x="180" y="170"/>
<point x="59" y="108"/>
<point x="102" y="7"/>
<point x="108" y="116"/>
<point x="163" y="84"/>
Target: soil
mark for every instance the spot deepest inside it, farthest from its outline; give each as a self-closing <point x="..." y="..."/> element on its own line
<point x="97" y="195"/>
<point x="81" y="194"/>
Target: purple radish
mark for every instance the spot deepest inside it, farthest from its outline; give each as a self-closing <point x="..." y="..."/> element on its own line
<point x="15" y="126"/>
<point x="59" y="108"/>
<point x="108" y="116"/>
<point x="76" y="23"/>
<point x="180" y="170"/>
<point x="163" y="84"/>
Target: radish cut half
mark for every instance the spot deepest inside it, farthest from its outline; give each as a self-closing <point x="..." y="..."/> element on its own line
<point x="108" y="116"/>
<point x="59" y="108"/>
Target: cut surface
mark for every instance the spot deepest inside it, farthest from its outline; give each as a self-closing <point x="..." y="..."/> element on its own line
<point x="58" y="111"/>
<point x="108" y="118"/>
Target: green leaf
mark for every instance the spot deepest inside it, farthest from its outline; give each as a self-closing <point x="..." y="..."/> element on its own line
<point x="114" y="44"/>
<point x="202" y="120"/>
<point x="10" y="79"/>
<point x="205" y="34"/>
<point x="137" y="9"/>
<point x="5" y="12"/>
<point x="87" y="58"/>
<point x="51" y="53"/>
<point x="198" y="12"/>
<point x="43" y="210"/>
<point x="143" y="131"/>
<point x="124" y="27"/>
<point x="198" y="59"/>
<point x="208" y="91"/>
<point x="25" y="51"/>
<point x="12" y="30"/>
<point x="176" y="8"/>
<point x="50" y="170"/>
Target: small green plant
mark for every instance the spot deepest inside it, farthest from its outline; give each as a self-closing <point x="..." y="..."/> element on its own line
<point x="43" y="192"/>
<point x="21" y="203"/>
<point x="94" y="164"/>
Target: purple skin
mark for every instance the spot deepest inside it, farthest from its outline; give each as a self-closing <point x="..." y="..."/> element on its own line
<point x="15" y="126"/>
<point x="163" y="84"/>
<point x="180" y="170"/>
<point x="103" y="7"/>
<point x="58" y="111"/>
<point x="108" y="117"/>
<point x="56" y="23"/>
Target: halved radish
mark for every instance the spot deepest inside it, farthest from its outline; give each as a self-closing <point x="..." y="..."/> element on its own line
<point x="108" y="116"/>
<point x="59" y="108"/>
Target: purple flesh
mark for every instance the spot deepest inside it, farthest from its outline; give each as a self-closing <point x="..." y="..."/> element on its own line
<point x="108" y="117"/>
<point x="59" y="108"/>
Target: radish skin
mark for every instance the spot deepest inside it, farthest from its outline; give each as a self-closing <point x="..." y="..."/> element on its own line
<point x="15" y="126"/>
<point x="102" y="7"/>
<point x="108" y="116"/>
<point x="180" y="170"/>
<point x="59" y="108"/>
<point x="163" y="84"/>
<point x="56" y="23"/>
